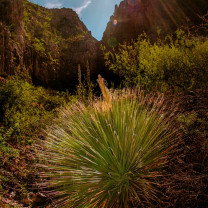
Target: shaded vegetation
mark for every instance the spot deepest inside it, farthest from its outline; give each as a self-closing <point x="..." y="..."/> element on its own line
<point x="24" y="111"/>
<point x="187" y="183"/>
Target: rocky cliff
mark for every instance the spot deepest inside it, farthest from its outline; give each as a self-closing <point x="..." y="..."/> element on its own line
<point x="133" y="17"/>
<point x="11" y="35"/>
<point x="79" y="46"/>
<point x="49" y="43"/>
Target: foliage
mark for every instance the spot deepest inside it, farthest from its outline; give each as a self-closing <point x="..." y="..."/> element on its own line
<point x="110" y="154"/>
<point x="176" y="63"/>
<point x="24" y="111"/>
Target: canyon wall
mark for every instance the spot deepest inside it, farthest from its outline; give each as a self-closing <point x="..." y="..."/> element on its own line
<point x="11" y="35"/>
<point x="47" y="43"/>
<point x="133" y="17"/>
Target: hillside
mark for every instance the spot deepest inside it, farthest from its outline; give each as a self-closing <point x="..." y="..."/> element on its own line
<point x="133" y="17"/>
<point x="49" y="43"/>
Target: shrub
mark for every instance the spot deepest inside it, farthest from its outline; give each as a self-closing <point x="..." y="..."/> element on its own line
<point x="111" y="154"/>
<point x="176" y="63"/>
<point x="25" y="109"/>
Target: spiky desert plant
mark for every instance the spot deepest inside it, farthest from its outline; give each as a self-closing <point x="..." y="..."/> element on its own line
<point x="111" y="154"/>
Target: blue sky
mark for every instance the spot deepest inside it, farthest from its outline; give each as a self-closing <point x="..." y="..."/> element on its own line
<point x="94" y="13"/>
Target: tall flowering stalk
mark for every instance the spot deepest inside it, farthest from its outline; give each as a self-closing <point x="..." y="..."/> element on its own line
<point x="104" y="89"/>
<point x="89" y="84"/>
<point x="80" y="82"/>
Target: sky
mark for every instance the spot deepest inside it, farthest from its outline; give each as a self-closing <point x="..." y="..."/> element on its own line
<point x="94" y="13"/>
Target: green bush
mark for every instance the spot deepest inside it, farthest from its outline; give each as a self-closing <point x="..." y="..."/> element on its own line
<point x="176" y="63"/>
<point x="109" y="155"/>
<point x="25" y="109"/>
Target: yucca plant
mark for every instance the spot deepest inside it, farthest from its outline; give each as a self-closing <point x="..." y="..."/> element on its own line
<point x="111" y="154"/>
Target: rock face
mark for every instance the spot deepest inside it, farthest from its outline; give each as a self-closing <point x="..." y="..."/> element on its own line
<point x="57" y="42"/>
<point x="79" y="47"/>
<point x="49" y="43"/>
<point x="133" y="17"/>
<point x="11" y="35"/>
